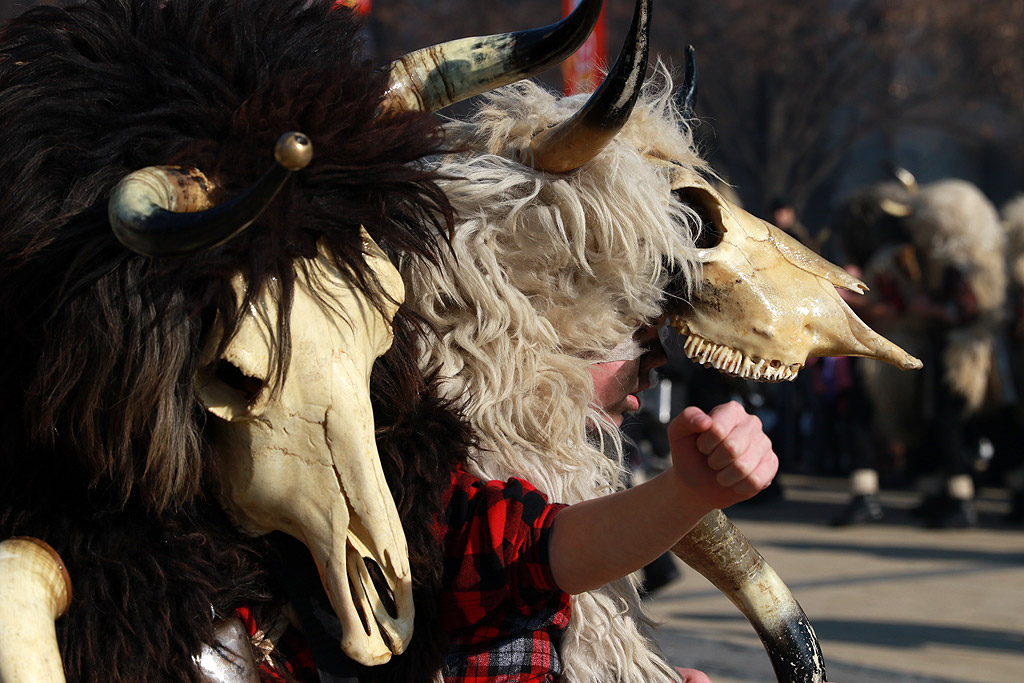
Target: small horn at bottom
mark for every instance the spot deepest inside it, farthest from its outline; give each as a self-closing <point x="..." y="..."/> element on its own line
<point x="34" y="591"/>
<point x="723" y="555"/>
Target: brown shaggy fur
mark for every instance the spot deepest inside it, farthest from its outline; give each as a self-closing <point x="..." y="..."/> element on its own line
<point x="103" y="451"/>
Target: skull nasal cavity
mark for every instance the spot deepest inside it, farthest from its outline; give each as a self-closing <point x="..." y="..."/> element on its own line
<point x="710" y="232"/>
<point x="232" y="376"/>
<point x="380" y="584"/>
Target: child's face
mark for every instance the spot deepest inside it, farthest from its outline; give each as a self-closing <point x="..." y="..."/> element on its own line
<point x="617" y="383"/>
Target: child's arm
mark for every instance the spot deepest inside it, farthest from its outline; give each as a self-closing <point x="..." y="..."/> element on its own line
<point x="717" y="460"/>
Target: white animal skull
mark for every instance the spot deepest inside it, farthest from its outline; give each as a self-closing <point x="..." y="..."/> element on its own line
<point x="302" y="459"/>
<point x="765" y="302"/>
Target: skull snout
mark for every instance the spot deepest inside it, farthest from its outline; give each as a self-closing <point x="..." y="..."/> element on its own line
<point x="766" y="303"/>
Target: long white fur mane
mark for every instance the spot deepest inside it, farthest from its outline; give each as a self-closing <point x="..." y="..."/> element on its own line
<point x="959" y="226"/>
<point x="1012" y="217"/>
<point x="955" y="224"/>
<point x="548" y="274"/>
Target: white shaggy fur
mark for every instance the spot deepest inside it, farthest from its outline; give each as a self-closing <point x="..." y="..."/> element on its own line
<point x="548" y="274"/>
<point x="1013" y="224"/>
<point x="955" y="224"/>
<point x="952" y="224"/>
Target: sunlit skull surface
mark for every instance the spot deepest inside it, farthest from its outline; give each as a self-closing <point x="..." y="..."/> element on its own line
<point x="764" y="302"/>
<point x="302" y="458"/>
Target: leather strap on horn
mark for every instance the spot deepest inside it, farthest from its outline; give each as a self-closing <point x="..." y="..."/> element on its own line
<point x="717" y="549"/>
<point x="686" y="96"/>
<point x="575" y="142"/>
<point x="434" y="77"/>
<point x="166" y="210"/>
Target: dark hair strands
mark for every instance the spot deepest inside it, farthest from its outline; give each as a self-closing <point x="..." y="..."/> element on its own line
<point x="108" y="460"/>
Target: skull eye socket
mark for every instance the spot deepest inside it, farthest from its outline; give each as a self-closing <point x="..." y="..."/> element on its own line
<point x="711" y="232"/>
<point x="233" y="378"/>
<point x="228" y="392"/>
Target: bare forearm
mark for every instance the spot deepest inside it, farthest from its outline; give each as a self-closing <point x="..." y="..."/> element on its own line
<point x="604" y="539"/>
<point x="718" y="459"/>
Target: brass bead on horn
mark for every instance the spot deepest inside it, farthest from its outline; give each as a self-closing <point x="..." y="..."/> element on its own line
<point x="434" y="77"/>
<point x="573" y="143"/>
<point x="166" y="210"/>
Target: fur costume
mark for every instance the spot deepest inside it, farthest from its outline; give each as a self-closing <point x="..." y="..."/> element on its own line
<point x="105" y="452"/>
<point x="862" y="225"/>
<point x="950" y="224"/>
<point x="954" y="224"/>
<point x="549" y="274"/>
<point x="1012" y="217"/>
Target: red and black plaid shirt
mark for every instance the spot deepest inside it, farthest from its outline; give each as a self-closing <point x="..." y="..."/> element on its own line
<point x="500" y="603"/>
<point x="292" y="661"/>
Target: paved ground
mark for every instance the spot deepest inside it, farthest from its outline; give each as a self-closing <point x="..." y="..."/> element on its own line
<point x="890" y="602"/>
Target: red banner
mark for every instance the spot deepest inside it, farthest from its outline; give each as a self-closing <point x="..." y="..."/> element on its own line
<point x="583" y="71"/>
<point x="362" y="7"/>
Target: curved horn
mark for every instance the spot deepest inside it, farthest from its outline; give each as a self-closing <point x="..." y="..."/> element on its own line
<point x="434" y="77"/>
<point x="166" y="210"/>
<point x="34" y="591"/>
<point x="686" y="96"/>
<point x="720" y="553"/>
<point x="575" y="142"/>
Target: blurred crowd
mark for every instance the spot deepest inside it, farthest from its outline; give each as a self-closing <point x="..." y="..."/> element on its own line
<point x="945" y="270"/>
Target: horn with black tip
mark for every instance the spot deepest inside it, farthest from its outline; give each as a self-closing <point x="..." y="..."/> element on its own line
<point x="723" y="555"/>
<point x="166" y="210"/>
<point x="434" y="77"/>
<point x="686" y="96"/>
<point x="573" y="143"/>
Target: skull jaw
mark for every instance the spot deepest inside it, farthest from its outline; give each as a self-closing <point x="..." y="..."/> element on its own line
<point x="765" y="330"/>
<point x="374" y="627"/>
<point x="730" y="361"/>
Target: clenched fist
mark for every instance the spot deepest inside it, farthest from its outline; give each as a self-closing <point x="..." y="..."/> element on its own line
<point x="722" y="457"/>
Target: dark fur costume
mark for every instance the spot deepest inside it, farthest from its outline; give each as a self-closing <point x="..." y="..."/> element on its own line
<point x="103" y="448"/>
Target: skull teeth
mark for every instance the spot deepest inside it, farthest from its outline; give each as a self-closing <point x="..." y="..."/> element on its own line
<point x="732" y="361"/>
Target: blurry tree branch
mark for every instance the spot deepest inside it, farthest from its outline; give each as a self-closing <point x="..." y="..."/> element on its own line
<point x="791" y="87"/>
<point x="787" y="88"/>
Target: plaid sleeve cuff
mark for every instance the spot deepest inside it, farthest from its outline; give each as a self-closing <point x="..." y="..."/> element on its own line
<point x="497" y="548"/>
<point x="538" y="558"/>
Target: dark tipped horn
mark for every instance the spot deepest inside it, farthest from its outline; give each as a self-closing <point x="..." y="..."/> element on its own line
<point x="720" y="553"/>
<point x="686" y="96"/>
<point x="578" y="140"/>
<point x="434" y="77"/>
<point x="166" y="210"/>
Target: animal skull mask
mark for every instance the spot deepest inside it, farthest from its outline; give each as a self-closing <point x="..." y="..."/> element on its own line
<point x="302" y="458"/>
<point x="765" y="302"/>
